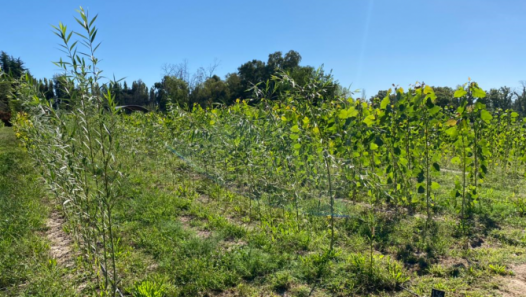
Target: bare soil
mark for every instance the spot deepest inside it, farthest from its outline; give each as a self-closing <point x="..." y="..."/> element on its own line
<point x="60" y="242"/>
<point x="515" y="286"/>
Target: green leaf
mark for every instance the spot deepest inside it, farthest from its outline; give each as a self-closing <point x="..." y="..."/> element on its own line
<point x="373" y="146"/>
<point x="434" y="110"/>
<point x="485" y="116"/>
<point x="385" y="102"/>
<point x="343" y="114"/>
<point x="451" y="122"/>
<point x="460" y="93"/>
<point x="369" y="120"/>
<point x="428" y="90"/>
<point x="352" y="112"/>
<point x="453" y="131"/>
<point x="455" y="160"/>
<point x="435" y="186"/>
<point x="477" y="92"/>
<point x="295" y="129"/>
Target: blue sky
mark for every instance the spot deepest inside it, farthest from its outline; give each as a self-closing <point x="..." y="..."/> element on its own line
<point x="368" y="44"/>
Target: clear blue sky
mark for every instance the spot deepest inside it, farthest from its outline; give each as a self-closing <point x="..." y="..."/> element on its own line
<point x="369" y="44"/>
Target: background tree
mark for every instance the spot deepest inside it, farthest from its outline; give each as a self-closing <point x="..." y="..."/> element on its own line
<point x="213" y="90"/>
<point x="177" y="91"/>
<point x="519" y="105"/>
<point x="12" y="69"/>
<point x="500" y="98"/>
<point x="445" y="97"/>
<point x="62" y="97"/>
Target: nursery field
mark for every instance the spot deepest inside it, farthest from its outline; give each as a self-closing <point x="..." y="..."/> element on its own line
<point x="296" y="192"/>
<point x="292" y="200"/>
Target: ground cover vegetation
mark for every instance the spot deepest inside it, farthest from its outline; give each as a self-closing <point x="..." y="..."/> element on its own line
<point x="26" y="266"/>
<point x="297" y="189"/>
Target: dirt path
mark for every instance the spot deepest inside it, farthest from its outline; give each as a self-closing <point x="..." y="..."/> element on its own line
<point x="516" y="286"/>
<point x="60" y="242"/>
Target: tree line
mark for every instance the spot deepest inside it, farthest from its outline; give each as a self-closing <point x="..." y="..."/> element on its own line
<point x="180" y="87"/>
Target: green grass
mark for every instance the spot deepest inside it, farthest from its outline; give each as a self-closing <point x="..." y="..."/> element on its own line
<point x="25" y="266"/>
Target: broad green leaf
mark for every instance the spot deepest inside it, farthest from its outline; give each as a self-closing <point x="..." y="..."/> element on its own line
<point x="434" y="110"/>
<point x="428" y="90"/>
<point x="435" y="186"/>
<point x="455" y="160"/>
<point x="451" y="122"/>
<point x="373" y="146"/>
<point x="385" y="102"/>
<point x="460" y="93"/>
<point x="453" y="131"/>
<point x="477" y="92"/>
<point x="295" y="129"/>
<point x="369" y="120"/>
<point x="352" y="112"/>
<point x="485" y="116"/>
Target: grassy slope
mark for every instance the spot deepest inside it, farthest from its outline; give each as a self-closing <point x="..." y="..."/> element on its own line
<point x="25" y="267"/>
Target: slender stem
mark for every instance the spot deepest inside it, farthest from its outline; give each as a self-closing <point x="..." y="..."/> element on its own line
<point x="331" y="200"/>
